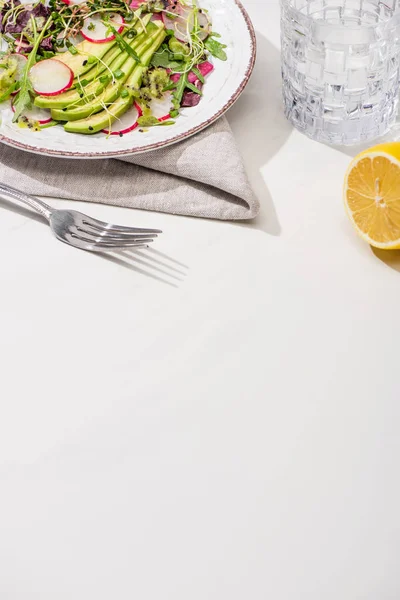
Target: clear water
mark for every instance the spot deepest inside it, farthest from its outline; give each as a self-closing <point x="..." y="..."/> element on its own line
<point x="340" y="68"/>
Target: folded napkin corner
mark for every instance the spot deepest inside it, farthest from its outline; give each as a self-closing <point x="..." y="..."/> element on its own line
<point x="202" y="176"/>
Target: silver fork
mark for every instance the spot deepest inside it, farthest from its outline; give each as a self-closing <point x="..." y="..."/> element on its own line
<point x="80" y="230"/>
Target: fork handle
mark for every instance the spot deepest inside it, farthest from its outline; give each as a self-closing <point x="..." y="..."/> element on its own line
<point x="11" y="193"/>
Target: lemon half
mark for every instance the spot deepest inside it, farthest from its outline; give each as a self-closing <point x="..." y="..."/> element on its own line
<point x="372" y="195"/>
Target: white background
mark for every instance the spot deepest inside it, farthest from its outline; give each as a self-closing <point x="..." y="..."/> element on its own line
<point x="225" y="431"/>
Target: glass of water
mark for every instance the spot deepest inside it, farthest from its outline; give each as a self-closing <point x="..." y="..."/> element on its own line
<point x="340" y="67"/>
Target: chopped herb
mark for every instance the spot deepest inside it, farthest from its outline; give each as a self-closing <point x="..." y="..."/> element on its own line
<point x="118" y="74"/>
<point x="123" y="44"/>
<point x="180" y="89"/>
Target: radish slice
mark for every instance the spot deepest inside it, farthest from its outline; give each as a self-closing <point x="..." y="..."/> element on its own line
<point x="73" y="2"/>
<point x="50" y="77"/>
<point x="156" y="17"/>
<point x="183" y="23"/>
<point x="41" y="115"/>
<point x="204" y="25"/>
<point x="128" y="122"/>
<point x="161" y="108"/>
<point x="136" y="3"/>
<point x="205" y="68"/>
<point x="169" y="21"/>
<point x="94" y="30"/>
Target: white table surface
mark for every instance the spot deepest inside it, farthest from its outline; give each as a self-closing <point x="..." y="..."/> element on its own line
<point x="228" y="430"/>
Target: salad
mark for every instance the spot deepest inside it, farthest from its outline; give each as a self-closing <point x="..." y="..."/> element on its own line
<point x="104" y="65"/>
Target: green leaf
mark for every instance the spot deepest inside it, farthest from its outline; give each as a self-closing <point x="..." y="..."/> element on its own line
<point x="165" y="59"/>
<point x="180" y="89"/>
<point x="23" y="99"/>
<point x="153" y="122"/>
<point x="46" y="54"/>
<point x="216" y="48"/>
<point x="147" y="121"/>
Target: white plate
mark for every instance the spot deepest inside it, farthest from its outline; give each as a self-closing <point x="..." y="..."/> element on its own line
<point x="222" y="88"/>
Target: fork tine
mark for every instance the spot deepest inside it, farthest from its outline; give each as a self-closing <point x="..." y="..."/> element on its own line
<point x="115" y="243"/>
<point x="116" y="228"/>
<point x="112" y="235"/>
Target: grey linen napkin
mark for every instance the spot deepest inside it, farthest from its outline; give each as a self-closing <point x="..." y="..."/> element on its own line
<point x="203" y="177"/>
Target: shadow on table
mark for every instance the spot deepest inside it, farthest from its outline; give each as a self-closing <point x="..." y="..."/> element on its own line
<point x="146" y="261"/>
<point x="258" y="121"/>
<point x="21" y="210"/>
<point x="391" y="258"/>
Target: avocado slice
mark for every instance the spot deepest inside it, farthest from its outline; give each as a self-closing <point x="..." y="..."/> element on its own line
<point x="92" y="89"/>
<point x="132" y="74"/>
<point x="142" y="27"/>
<point x="78" y="62"/>
<point x="102" y="120"/>
<point x="117" y="58"/>
<point x="107" y="97"/>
